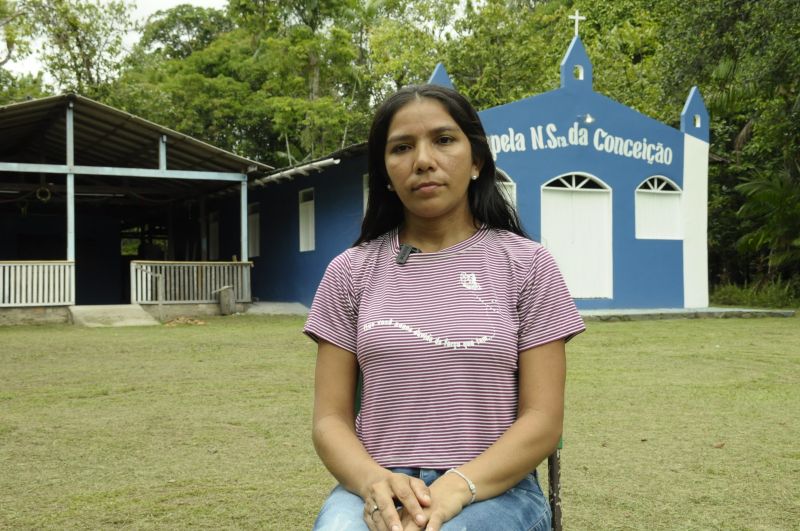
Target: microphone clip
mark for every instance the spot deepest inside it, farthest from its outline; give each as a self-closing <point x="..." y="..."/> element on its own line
<point x="405" y="250"/>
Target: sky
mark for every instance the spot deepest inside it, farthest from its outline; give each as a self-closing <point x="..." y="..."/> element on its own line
<point x="142" y="9"/>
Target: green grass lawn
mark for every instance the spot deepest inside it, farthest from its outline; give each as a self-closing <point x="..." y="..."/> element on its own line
<point x="685" y="424"/>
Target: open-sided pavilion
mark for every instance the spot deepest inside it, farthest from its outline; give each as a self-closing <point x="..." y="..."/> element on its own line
<point x="98" y="206"/>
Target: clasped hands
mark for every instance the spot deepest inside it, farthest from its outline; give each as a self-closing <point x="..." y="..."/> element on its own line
<point x="398" y="502"/>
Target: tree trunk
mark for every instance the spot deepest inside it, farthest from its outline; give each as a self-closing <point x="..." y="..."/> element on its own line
<point x="313" y="63"/>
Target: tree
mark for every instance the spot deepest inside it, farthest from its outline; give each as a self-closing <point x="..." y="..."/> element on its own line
<point x="16" y="31"/>
<point x="13" y="30"/>
<point x="81" y="41"/>
<point x="202" y="95"/>
<point x="743" y="56"/>
<point x="507" y="50"/>
<point x="773" y="203"/>
<point x="501" y="53"/>
<point x="178" y="32"/>
<point x="19" y="88"/>
<point x="624" y="41"/>
<point x="304" y="52"/>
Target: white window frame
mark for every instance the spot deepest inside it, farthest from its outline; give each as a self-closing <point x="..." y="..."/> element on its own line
<point x="658" y="206"/>
<point x="305" y="198"/>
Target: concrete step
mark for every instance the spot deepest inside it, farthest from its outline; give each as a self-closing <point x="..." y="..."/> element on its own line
<point x="111" y="315"/>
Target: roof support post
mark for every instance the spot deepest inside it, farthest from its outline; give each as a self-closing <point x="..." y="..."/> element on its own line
<point x="71" y="217"/>
<point x="71" y="195"/>
<point x="70" y="182"/>
<point x="244" y="220"/>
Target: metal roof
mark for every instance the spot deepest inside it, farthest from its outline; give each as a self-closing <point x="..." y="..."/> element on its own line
<point x="107" y="142"/>
<point x="304" y="168"/>
<point x="34" y="131"/>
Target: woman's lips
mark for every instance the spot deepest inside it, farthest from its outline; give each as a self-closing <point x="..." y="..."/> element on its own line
<point x="426" y="187"/>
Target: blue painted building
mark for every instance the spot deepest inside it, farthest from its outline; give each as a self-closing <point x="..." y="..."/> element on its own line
<point x="316" y="207"/>
<point x="619" y="198"/>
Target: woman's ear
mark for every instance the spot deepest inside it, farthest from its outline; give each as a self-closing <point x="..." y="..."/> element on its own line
<point x="477" y="166"/>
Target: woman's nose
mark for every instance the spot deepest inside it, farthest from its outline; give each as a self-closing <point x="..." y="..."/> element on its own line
<point x="424" y="160"/>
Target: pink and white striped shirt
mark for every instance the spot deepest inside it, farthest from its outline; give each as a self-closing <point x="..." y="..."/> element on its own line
<point x="438" y="339"/>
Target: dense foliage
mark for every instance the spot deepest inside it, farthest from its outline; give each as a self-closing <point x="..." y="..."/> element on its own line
<point x="285" y="81"/>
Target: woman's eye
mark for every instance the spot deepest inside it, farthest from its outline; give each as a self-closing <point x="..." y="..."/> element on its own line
<point x="446" y="139"/>
<point x="399" y="148"/>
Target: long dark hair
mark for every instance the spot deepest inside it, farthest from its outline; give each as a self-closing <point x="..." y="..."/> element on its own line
<point x="384" y="209"/>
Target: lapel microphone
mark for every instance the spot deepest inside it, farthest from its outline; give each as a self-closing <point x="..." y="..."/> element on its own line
<point x="405" y="250"/>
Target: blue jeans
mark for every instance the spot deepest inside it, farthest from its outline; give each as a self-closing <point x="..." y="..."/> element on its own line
<point x="523" y="507"/>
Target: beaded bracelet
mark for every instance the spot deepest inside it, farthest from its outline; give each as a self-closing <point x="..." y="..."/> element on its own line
<point x="470" y="484"/>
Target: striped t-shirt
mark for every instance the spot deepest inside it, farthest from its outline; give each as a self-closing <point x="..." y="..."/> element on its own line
<point x="438" y="339"/>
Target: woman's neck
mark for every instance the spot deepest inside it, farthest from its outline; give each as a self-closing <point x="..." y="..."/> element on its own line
<point x="431" y="236"/>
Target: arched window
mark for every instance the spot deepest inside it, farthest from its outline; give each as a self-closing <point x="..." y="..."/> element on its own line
<point x="576" y="181"/>
<point x="658" y="184"/>
<point x="658" y="210"/>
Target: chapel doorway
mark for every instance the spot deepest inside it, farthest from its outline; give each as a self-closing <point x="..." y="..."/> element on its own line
<point x="576" y="229"/>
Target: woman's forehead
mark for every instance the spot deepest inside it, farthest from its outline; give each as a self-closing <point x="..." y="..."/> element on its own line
<point x="425" y="113"/>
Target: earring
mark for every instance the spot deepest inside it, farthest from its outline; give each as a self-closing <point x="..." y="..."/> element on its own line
<point x="389" y="187"/>
<point x="474" y="177"/>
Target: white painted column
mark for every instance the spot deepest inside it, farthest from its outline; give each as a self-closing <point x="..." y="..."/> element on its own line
<point x="71" y="217"/>
<point x="162" y="165"/>
<point x="70" y="184"/>
<point x="71" y="197"/>
<point x="244" y="250"/>
<point x="695" y="222"/>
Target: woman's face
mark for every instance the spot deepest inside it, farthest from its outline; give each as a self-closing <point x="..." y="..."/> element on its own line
<point x="429" y="161"/>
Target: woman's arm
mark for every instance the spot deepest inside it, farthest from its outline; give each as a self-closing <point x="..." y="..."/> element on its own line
<point x="528" y="441"/>
<point x="343" y="454"/>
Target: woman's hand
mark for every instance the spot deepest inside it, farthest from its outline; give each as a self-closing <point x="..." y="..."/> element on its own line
<point x="449" y="495"/>
<point x="380" y="509"/>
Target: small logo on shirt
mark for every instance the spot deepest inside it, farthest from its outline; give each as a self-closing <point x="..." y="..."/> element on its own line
<point x="469" y="281"/>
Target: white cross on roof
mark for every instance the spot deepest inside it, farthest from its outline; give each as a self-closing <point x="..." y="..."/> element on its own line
<point x="577" y="18"/>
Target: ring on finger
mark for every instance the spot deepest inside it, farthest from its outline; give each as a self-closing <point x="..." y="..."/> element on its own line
<point x="374" y="508"/>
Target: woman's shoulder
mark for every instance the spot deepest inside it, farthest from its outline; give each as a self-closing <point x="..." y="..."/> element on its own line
<point x="514" y="245"/>
<point x="524" y="257"/>
<point x="362" y="255"/>
<point x="371" y="248"/>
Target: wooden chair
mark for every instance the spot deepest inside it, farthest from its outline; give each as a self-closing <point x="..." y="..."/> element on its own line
<point x="554" y="485"/>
